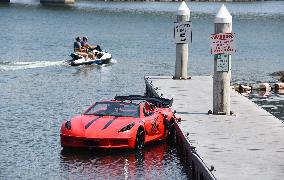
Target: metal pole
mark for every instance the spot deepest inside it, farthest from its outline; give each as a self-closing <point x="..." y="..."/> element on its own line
<point x="183" y="15"/>
<point x="221" y="80"/>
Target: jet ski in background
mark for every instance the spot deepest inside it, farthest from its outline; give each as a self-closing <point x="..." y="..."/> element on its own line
<point x="102" y="57"/>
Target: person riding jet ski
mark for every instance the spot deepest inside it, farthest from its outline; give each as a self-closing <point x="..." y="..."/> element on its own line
<point x="88" y="48"/>
<point x="85" y="54"/>
<point x="81" y="50"/>
<point x="85" y="44"/>
<point x="78" y="48"/>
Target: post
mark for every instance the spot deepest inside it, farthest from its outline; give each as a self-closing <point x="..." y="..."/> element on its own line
<point x="182" y="38"/>
<point x="221" y="79"/>
<point x="57" y="1"/>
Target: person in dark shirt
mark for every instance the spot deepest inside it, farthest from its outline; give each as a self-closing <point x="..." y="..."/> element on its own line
<point x="85" y="43"/>
<point x="79" y="49"/>
<point x="87" y="46"/>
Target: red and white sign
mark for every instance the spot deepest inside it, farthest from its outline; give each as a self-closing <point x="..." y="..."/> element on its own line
<point x="223" y="43"/>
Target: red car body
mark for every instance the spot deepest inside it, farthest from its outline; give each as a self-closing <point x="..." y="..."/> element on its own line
<point x="120" y="123"/>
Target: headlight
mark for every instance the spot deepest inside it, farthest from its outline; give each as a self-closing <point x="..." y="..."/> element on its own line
<point x="68" y="125"/>
<point x="128" y="127"/>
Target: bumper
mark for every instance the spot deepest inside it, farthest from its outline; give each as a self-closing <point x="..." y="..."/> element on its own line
<point x="104" y="143"/>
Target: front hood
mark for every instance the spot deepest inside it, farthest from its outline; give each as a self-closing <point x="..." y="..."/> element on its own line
<point x="101" y="126"/>
<point x="108" y="127"/>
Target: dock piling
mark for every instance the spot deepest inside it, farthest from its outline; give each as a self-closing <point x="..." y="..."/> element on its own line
<point x="222" y="78"/>
<point x="182" y="38"/>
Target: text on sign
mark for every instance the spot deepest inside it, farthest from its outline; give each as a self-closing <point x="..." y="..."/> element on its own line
<point x="223" y="43"/>
<point x="183" y="32"/>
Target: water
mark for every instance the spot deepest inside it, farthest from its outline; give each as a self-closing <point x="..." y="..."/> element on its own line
<point x="39" y="91"/>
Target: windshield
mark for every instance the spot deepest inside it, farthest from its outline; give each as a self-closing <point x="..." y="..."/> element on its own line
<point x="114" y="109"/>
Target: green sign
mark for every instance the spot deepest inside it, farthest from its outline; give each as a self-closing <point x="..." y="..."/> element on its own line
<point x="223" y="62"/>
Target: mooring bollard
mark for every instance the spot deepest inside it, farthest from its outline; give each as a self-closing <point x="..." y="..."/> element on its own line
<point x="222" y="48"/>
<point x="182" y="38"/>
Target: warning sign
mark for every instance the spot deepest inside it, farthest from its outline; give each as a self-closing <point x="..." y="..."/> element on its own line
<point x="183" y="32"/>
<point x="223" y="43"/>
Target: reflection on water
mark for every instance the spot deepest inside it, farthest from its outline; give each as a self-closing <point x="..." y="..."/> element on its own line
<point x="87" y="69"/>
<point x="152" y="163"/>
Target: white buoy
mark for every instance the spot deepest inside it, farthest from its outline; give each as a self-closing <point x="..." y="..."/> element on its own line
<point x="279" y="85"/>
<point x="243" y="88"/>
<point x="280" y="91"/>
<point x="264" y="94"/>
<point x="264" y="87"/>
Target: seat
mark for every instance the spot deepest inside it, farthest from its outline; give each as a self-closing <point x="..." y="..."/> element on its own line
<point x="147" y="107"/>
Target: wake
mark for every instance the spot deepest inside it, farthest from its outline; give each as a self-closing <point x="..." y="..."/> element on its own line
<point x="12" y="66"/>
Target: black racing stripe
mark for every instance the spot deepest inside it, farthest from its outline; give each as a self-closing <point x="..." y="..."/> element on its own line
<point x="91" y="122"/>
<point x="111" y="121"/>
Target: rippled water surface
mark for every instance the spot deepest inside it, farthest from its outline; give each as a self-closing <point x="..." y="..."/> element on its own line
<point x="39" y="91"/>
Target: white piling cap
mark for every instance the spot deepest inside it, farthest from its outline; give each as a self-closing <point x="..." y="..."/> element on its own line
<point x="183" y="9"/>
<point x="223" y="16"/>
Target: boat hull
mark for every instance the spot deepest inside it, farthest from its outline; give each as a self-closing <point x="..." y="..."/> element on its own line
<point x="89" y="62"/>
<point x="101" y="58"/>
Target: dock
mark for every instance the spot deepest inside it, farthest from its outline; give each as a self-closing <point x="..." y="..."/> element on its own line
<point x="249" y="144"/>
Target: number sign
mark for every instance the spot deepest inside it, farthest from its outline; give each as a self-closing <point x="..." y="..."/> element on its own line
<point x="183" y="32"/>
